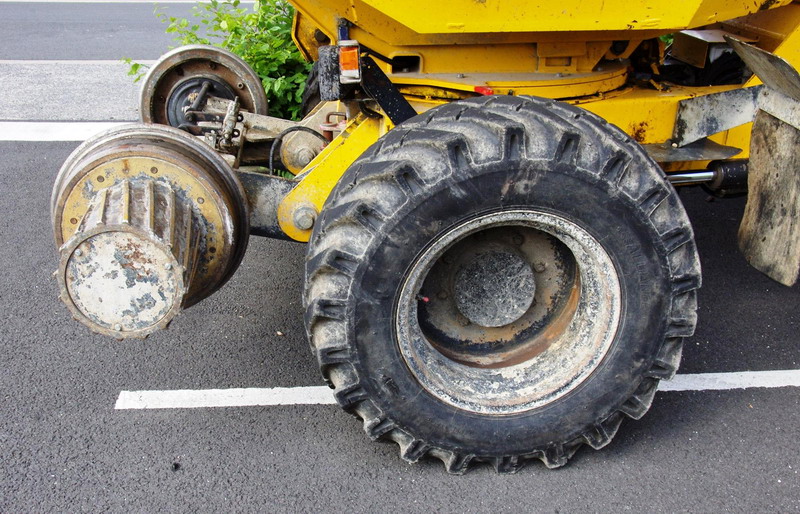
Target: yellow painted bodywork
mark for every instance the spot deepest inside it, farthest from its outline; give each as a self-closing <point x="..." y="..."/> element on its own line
<point x="326" y="169"/>
<point x="493" y="16"/>
<point x="507" y="36"/>
<point x="560" y="50"/>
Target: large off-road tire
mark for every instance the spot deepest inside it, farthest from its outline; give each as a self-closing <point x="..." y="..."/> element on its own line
<point x="500" y="279"/>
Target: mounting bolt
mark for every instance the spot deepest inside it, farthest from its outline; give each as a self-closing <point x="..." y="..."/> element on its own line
<point x="118" y="327"/>
<point x="303" y="156"/>
<point x="304" y="217"/>
<point x="168" y="266"/>
<point x="539" y="267"/>
<point x="78" y="252"/>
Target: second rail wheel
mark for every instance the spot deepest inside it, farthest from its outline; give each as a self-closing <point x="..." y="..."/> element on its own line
<point x="169" y="86"/>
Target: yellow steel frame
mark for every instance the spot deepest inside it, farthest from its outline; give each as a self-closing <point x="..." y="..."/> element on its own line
<point x="326" y="169"/>
<point x="452" y="64"/>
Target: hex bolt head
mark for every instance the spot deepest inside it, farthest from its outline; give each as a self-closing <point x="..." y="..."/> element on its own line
<point x="168" y="266"/>
<point x="539" y="267"/>
<point x="304" y="218"/>
<point x="303" y="156"/>
<point x="78" y="252"/>
<point x="118" y="327"/>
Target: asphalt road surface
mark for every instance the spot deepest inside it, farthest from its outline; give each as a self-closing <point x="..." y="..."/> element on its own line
<point x="65" y="448"/>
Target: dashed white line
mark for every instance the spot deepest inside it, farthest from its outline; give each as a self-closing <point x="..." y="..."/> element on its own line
<point x="249" y="397"/>
<point x="52" y="130"/>
<point x="726" y="381"/>
<point x="67" y="90"/>
<point x="147" y="62"/>
<point x="252" y="397"/>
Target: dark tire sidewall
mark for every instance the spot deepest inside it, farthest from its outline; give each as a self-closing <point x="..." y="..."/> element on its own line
<point x="578" y="195"/>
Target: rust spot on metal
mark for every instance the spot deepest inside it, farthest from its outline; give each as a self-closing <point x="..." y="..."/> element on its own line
<point x="767" y="4"/>
<point x="134" y="253"/>
<point x="639" y="132"/>
<point x="494" y="347"/>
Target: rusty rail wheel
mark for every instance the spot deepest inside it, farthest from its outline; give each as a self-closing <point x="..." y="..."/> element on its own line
<point x="173" y="82"/>
<point x="148" y="220"/>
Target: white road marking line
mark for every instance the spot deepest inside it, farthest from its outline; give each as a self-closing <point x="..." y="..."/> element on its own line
<point x="52" y="131"/>
<point x="726" y="381"/>
<point x="147" y="62"/>
<point x="250" y="397"/>
<point x="67" y="91"/>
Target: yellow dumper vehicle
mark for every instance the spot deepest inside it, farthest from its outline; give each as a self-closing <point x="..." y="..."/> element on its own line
<point x="498" y="267"/>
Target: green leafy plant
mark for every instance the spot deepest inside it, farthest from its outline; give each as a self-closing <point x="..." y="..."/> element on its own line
<point x="261" y="36"/>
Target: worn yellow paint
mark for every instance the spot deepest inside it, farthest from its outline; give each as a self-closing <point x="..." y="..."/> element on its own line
<point x="548" y="85"/>
<point x="558" y="50"/>
<point x="647" y="115"/>
<point x="322" y="173"/>
<point x="448" y="17"/>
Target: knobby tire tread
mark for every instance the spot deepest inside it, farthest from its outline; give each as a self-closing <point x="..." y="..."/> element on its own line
<point x="468" y="133"/>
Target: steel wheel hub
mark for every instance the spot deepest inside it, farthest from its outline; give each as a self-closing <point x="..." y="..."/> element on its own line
<point x="508" y="311"/>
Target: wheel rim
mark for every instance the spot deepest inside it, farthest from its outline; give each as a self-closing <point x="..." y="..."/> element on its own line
<point x="508" y="311"/>
<point x="182" y="71"/>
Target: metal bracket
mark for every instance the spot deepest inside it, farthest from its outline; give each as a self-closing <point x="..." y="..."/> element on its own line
<point x="773" y="71"/>
<point x="705" y="115"/>
<point x="378" y="86"/>
<point x="702" y="150"/>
